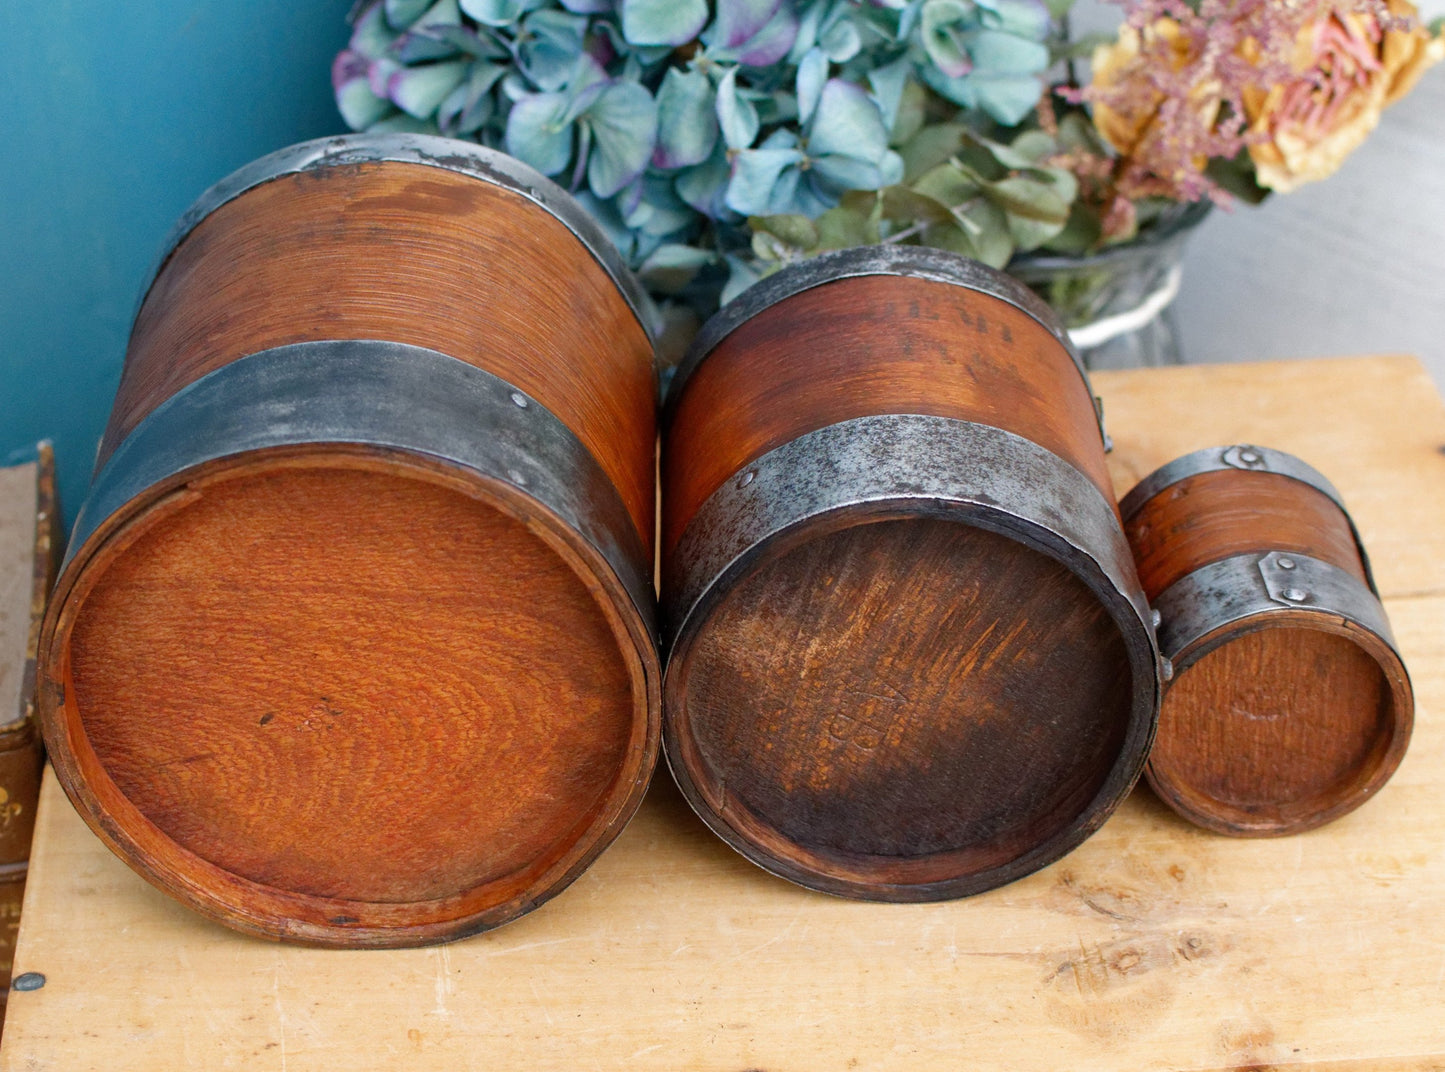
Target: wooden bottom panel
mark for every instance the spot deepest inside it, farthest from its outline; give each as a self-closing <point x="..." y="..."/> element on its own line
<point x="338" y="682"/>
<point x="1273" y="730"/>
<point x="905" y="701"/>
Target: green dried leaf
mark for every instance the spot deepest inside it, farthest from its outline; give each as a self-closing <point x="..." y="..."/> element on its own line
<point x="948" y="184"/>
<point x="980" y="156"/>
<point x="1078" y="135"/>
<point x="1064" y="181"/>
<point x="1237" y="177"/>
<point x="795" y="230"/>
<point x="930" y="147"/>
<point x="1033" y="146"/>
<point x="1029" y="200"/>
<point x="1081" y="233"/>
<point x="904" y="205"/>
<point x="767" y="247"/>
<point x="844" y="227"/>
<point x="912" y="114"/>
<point x="1030" y="234"/>
<point x="989" y="245"/>
<point x="672" y="266"/>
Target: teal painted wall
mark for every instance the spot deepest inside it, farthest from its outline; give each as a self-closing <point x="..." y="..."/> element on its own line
<point x="116" y="117"/>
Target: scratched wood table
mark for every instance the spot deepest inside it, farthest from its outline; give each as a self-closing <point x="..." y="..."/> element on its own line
<point x="1154" y="946"/>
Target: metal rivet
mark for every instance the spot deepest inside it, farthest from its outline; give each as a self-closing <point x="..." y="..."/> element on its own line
<point x="516" y="478"/>
<point x="1285" y="563"/>
<point x="1249" y="457"/>
<point x="1166" y="668"/>
<point x="519" y="399"/>
<point x="1295" y="595"/>
<point x="28" y="981"/>
<point x="747" y="478"/>
<point x="1156" y="618"/>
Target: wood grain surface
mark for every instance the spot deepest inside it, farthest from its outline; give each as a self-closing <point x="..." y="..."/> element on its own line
<point x="1277" y="730"/>
<point x="1155" y="946"/>
<point x="866" y="345"/>
<point x="328" y="697"/>
<point x="932" y="722"/>
<point x="411" y="254"/>
<point x="1214" y="515"/>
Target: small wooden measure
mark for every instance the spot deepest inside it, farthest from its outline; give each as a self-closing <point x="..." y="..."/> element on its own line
<point x="354" y="644"/>
<point x="909" y="658"/>
<point x="1289" y="704"/>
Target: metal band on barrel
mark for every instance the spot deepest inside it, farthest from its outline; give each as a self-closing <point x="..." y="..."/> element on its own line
<point x="381" y="394"/>
<point x="914" y="262"/>
<point x="1248" y="458"/>
<point x="450" y="154"/>
<point x="1243" y="587"/>
<point x="937" y="466"/>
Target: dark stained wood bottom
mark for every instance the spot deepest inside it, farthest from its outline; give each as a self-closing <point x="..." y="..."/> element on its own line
<point x="1271" y="729"/>
<point x="350" y="684"/>
<point x="906" y="700"/>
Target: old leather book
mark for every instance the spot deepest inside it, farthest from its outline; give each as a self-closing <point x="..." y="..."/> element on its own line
<point x="27" y="565"/>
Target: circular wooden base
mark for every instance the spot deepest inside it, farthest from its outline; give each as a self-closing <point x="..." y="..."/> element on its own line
<point x="1280" y="725"/>
<point x="347" y="698"/>
<point x="907" y="709"/>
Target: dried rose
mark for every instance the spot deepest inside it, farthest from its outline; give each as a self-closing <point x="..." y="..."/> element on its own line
<point x="1157" y="100"/>
<point x="1349" y="68"/>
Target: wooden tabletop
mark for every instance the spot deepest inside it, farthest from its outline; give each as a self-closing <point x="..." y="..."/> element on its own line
<point x="1153" y="946"/>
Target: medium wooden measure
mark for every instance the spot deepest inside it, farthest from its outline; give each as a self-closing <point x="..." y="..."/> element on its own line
<point x="909" y="658"/>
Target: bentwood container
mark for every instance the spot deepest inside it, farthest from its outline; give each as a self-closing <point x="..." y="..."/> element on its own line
<point x="908" y="654"/>
<point x="1289" y="704"/>
<point x="354" y="641"/>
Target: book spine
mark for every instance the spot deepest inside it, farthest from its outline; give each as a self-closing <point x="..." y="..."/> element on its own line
<point x="21" y="754"/>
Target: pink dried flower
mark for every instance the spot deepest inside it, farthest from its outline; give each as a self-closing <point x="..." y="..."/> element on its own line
<point x="1182" y="84"/>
